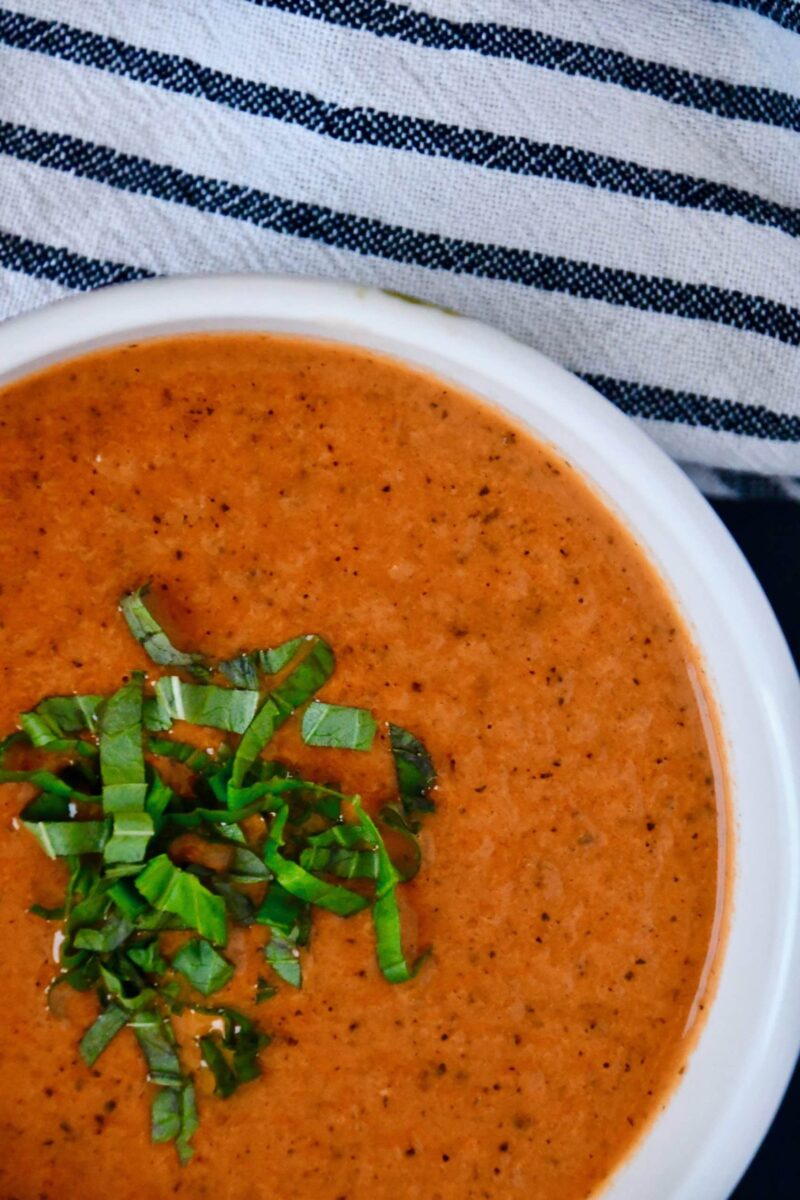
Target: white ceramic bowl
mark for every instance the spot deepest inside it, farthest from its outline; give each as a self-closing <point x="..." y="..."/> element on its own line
<point x="700" y="1145"/>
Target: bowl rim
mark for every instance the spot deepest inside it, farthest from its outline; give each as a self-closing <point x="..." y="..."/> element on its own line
<point x="714" y="1119"/>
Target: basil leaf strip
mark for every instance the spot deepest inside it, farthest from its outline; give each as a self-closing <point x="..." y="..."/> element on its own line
<point x="225" y="1081"/>
<point x="127" y="899"/>
<point x="228" y="709"/>
<point x="284" y="958"/>
<point x="293" y="878"/>
<point x="121" y="751"/>
<point x="173" y="1118"/>
<point x="385" y="911"/>
<point x="205" y="969"/>
<point x="256" y="736"/>
<point x="338" y="726"/>
<point x="157" y="1042"/>
<point x="59" y="839"/>
<point x="338" y="835"/>
<point x="285" y="914"/>
<point x="416" y="775"/>
<point x="192" y="758"/>
<point x="101" y="1032"/>
<point x="130" y="838"/>
<point x="57" y="913"/>
<point x="67" y="714"/>
<point x="170" y="889"/>
<point x="247" y="867"/>
<point x="147" y="957"/>
<point x="46" y="725"/>
<point x="242" y="1037"/>
<point x="189" y="1123"/>
<point x="346" y="864"/>
<point x="314" y="669"/>
<point x="112" y="934"/>
<point x="244" y="670"/>
<point x="158" y="799"/>
<point x="46" y="781"/>
<point x="152" y="638"/>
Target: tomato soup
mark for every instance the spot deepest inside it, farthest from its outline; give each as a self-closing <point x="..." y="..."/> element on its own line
<point x="475" y="591"/>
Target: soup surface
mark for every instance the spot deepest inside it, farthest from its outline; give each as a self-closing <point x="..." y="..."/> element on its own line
<point x="476" y="592"/>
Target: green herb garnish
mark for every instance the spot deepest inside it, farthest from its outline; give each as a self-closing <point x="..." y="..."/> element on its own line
<point x="152" y="638"/>
<point x="338" y="727"/>
<point x="415" y="772"/>
<point x="206" y="970"/>
<point x="146" y="854"/>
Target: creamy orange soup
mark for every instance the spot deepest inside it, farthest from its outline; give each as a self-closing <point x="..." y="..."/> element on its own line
<point x="476" y="592"/>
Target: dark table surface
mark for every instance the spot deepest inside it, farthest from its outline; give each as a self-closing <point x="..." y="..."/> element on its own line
<point x="768" y="533"/>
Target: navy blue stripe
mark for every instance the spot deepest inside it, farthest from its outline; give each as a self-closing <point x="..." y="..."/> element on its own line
<point x="782" y="12"/>
<point x="703" y="412"/>
<point x="62" y="266"/>
<point x="747" y="485"/>
<point x="396" y="243"/>
<point x="365" y="126"/>
<point x="685" y="88"/>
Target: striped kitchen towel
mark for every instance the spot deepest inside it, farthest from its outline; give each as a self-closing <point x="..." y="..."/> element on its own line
<point x="617" y="182"/>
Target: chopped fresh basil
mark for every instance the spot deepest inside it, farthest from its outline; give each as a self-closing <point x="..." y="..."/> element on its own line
<point x="128" y="900"/>
<point x="112" y="934"/>
<point x="416" y="775"/>
<point x="338" y="726"/>
<point x="205" y="969"/>
<point x="57" y="913"/>
<point x="47" y="782"/>
<point x="70" y="714"/>
<point x="103" y="1031"/>
<point x="170" y="889"/>
<point x="154" y="1035"/>
<point x="40" y="737"/>
<point x="255" y="738"/>
<point x="181" y="845"/>
<point x="232" y="1056"/>
<point x="283" y="956"/>
<point x="158" y="799"/>
<point x="189" y="1123"/>
<point x="346" y="864"/>
<point x="228" y="709"/>
<point x="165" y="1114"/>
<point x="224" y="1078"/>
<point x="148" y="958"/>
<point x="239" y="906"/>
<point x="131" y="834"/>
<point x="154" y="641"/>
<point x="48" y="724"/>
<point x="285" y="914"/>
<point x="59" y="839"/>
<point x="299" y="686"/>
<point x="349" y="836"/>
<point x="192" y="758"/>
<point x="121" y="752"/>
<point x="247" y="867"/>
<point x="314" y="669"/>
<point x="301" y="883"/>
<point x="385" y="911"/>
<point x="126" y="984"/>
<point x="244" y="670"/>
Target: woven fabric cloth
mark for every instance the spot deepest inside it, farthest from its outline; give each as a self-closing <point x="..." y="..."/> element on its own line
<point x="617" y="182"/>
